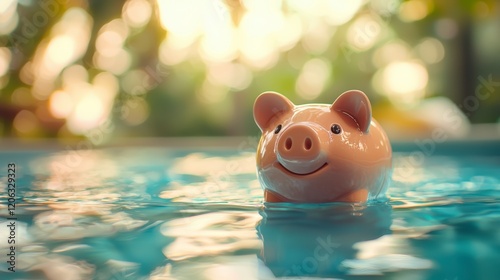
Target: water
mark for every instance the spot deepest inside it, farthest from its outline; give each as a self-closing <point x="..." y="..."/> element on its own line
<point x="156" y="213"/>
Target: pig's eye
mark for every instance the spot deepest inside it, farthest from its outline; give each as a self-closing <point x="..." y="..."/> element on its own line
<point x="336" y="128"/>
<point x="277" y="129"/>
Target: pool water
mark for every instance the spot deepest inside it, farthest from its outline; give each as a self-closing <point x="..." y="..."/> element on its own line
<point x="163" y="213"/>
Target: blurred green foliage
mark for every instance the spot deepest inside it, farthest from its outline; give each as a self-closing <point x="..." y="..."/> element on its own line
<point x="192" y="68"/>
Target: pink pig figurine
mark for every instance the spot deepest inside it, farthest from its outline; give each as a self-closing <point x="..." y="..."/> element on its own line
<point x="321" y="153"/>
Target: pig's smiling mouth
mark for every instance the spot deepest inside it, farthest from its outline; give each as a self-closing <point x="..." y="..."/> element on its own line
<point x="299" y="174"/>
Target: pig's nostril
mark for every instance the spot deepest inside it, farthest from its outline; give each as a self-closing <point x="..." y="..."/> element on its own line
<point x="288" y="143"/>
<point x="308" y="143"/>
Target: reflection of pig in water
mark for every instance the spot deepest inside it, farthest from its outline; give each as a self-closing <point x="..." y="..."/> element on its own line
<point x="320" y="152"/>
<point x="314" y="242"/>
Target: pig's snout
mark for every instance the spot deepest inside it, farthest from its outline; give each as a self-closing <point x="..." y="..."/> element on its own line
<point x="299" y="149"/>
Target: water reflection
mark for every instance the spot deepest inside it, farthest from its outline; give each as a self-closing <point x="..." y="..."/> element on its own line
<point x="210" y="234"/>
<point x="159" y="214"/>
<point x="204" y="178"/>
<point x="317" y="242"/>
<point x="461" y="239"/>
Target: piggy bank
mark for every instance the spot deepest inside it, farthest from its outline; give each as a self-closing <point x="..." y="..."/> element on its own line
<point x="318" y="153"/>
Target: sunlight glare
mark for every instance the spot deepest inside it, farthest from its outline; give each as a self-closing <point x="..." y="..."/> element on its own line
<point x="61" y="104"/>
<point x="392" y="51"/>
<point x="109" y="43"/>
<point x="116" y="64"/>
<point x="232" y="75"/>
<point x="136" y="13"/>
<point x="402" y="81"/>
<point x="5" y="58"/>
<point x="313" y="78"/>
<point x="8" y="16"/>
<point x="339" y="12"/>
<point x="431" y="50"/>
<point x="413" y="10"/>
<point x="68" y="41"/>
<point x="290" y="33"/>
<point x="139" y="112"/>
<point x="181" y="17"/>
<point x="107" y="85"/>
<point x="211" y="93"/>
<point x="89" y="111"/>
<point x="170" y="53"/>
<point x="25" y="122"/>
<point x="74" y="74"/>
<point x="363" y="33"/>
<point x="258" y="43"/>
<point x="405" y="77"/>
<point x="218" y="42"/>
<point x="316" y="38"/>
<point x="60" y="51"/>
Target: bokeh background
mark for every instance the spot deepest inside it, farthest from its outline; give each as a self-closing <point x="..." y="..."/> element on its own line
<point x="144" y="68"/>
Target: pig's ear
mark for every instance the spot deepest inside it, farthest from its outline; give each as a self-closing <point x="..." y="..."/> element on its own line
<point x="357" y="105"/>
<point x="267" y="106"/>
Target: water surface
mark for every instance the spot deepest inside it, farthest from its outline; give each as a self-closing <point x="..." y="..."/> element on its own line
<point x="158" y="213"/>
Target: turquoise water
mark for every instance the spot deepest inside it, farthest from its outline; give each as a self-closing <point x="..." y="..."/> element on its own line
<point x="158" y="213"/>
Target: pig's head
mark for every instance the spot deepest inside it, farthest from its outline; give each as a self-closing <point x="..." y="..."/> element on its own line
<point x="321" y="152"/>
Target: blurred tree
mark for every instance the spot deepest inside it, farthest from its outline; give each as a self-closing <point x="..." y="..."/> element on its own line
<point x="190" y="68"/>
